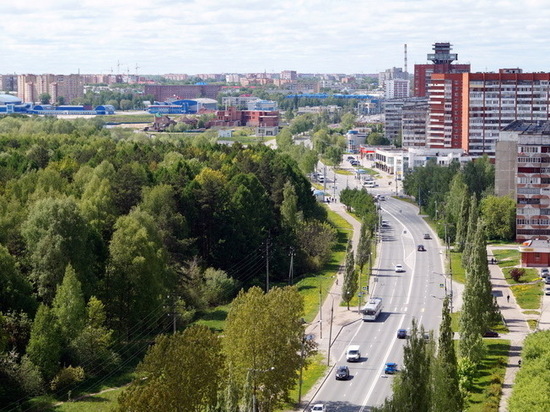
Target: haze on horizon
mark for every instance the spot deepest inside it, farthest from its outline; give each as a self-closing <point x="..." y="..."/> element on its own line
<point x="309" y="36"/>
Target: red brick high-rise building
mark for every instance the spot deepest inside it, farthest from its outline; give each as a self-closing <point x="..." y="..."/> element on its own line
<point x="442" y="63"/>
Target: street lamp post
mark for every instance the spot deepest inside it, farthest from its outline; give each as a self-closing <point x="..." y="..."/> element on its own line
<point x="305" y="338"/>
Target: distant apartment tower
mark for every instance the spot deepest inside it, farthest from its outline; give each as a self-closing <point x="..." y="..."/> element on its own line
<point x="176" y="76"/>
<point x="393" y="115"/>
<point x="289" y="75"/>
<point x="442" y="62"/>
<point x="468" y="110"/>
<point x="58" y="86"/>
<point x="397" y="89"/>
<point x="414" y="121"/>
<point x="523" y="172"/>
<point x="8" y="82"/>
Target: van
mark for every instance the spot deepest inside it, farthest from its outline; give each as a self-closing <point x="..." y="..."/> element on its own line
<point x="353" y="353"/>
<point x="370" y="183"/>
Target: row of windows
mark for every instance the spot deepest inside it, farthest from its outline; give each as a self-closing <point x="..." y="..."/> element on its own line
<point x="528" y="191"/>
<point x="532" y="221"/>
<point x="530" y="180"/>
<point x="545" y="232"/>
<point x="532" y="211"/>
<point x="528" y="201"/>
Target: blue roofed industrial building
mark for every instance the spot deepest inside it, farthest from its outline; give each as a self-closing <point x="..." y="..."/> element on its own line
<point x="12" y="104"/>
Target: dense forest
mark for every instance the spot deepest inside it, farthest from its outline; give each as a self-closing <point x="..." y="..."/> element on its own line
<point x="105" y="237"/>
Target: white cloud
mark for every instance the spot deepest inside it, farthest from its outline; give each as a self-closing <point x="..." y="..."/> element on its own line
<point x="207" y="36"/>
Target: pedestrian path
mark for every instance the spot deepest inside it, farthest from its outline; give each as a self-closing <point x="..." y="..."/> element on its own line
<point x="517" y="325"/>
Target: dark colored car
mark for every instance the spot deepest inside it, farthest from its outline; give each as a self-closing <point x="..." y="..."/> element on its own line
<point x="427" y="236"/>
<point x="421" y="248"/>
<point x="490" y="334"/>
<point x="390" y="368"/>
<point x="342" y="372"/>
<point x="402" y="334"/>
<point x="544" y="273"/>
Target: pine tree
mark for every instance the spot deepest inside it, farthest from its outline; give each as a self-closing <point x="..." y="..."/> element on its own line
<point x="446" y="395"/>
<point x="351" y="281"/>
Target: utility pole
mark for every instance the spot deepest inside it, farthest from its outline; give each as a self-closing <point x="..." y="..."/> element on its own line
<point x="330" y="332"/>
<point x="267" y="265"/>
<point x="320" y="312"/>
<point x="291" y="270"/>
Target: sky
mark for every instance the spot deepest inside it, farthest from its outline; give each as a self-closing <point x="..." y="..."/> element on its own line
<point x="249" y="36"/>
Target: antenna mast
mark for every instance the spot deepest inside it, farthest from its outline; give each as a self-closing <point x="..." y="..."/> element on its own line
<point x="405" y="67"/>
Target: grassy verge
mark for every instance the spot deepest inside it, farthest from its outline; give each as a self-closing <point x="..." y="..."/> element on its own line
<point x="214" y="318"/>
<point x="310" y="375"/>
<point x="485" y="395"/>
<point x="532" y="323"/>
<point x="506" y="257"/>
<point x="459" y="274"/>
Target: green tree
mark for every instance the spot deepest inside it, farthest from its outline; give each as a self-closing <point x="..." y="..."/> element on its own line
<point x="446" y="395"/>
<point x="284" y="139"/>
<point x="15" y="290"/>
<point x="44" y="98"/>
<point x="351" y="281"/>
<point x="262" y="345"/>
<point x="473" y="221"/>
<point x="136" y="272"/>
<point x="462" y="224"/>
<point x="93" y="346"/>
<point x="289" y="207"/>
<point x="69" y="306"/>
<point x="364" y="246"/>
<point x="478" y="307"/>
<point x="44" y="349"/>
<point x="348" y="121"/>
<point x="56" y="235"/>
<point x="179" y="373"/>
<point x="315" y="240"/>
<point x="499" y="215"/>
<point x="97" y="204"/>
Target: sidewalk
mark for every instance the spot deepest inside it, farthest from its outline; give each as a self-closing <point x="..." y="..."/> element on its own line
<point x="517" y="325"/>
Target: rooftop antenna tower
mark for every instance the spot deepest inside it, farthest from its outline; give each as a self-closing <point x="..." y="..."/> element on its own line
<point x="405" y="67"/>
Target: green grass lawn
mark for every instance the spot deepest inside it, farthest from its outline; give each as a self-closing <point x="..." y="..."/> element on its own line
<point x="214" y="318"/>
<point x="102" y="402"/>
<point x="528" y="296"/>
<point x="310" y="375"/>
<point x="459" y="274"/>
<point x="532" y="323"/>
<point x="485" y="395"/>
<point x="507" y="257"/>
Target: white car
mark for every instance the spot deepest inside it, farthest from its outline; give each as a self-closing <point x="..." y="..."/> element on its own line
<point x="399" y="268"/>
<point x="318" y="408"/>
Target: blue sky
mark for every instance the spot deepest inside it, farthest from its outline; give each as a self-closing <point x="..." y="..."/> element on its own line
<point x="238" y="36"/>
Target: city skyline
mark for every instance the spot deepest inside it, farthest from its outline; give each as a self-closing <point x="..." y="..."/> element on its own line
<point x="314" y="36"/>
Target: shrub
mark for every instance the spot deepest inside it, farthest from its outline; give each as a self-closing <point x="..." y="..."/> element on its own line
<point x="517" y="274"/>
<point x="67" y="377"/>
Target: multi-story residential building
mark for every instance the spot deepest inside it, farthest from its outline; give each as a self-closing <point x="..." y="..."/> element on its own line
<point x="164" y="93"/>
<point x="8" y="82"/>
<point x="397" y="88"/>
<point x="522" y="170"/>
<point x="392" y="74"/>
<point x="176" y="76"/>
<point x="60" y="87"/>
<point x="468" y="110"/>
<point x="289" y="75"/>
<point x="442" y="62"/>
<point x="393" y="115"/>
<point x="233" y="78"/>
<point x="414" y="121"/>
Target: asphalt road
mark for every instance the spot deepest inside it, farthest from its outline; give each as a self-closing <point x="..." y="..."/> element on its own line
<point x="416" y="293"/>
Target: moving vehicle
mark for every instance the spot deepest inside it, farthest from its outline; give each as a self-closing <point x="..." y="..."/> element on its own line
<point x="399" y="268"/>
<point x="381" y="198"/>
<point x="390" y="368"/>
<point x="427" y="236"/>
<point x="319" y="407"/>
<point x="342" y="372"/>
<point x="353" y="353"/>
<point x="490" y="334"/>
<point x="385" y="223"/>
<point x="402" y="334"/>
<point x="372" y="309"/>
<point x="421" y="248"/>
<point x="370" y="183"/>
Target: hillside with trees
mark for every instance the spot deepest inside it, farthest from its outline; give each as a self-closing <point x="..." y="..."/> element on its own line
<point x="109" y="238"/>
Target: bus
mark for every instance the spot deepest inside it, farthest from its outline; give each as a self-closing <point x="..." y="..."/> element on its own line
<point x="372" y="309"/>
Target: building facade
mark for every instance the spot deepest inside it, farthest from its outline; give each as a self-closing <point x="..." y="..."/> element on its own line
<point x="397" y="88"/>
<point x="468" y="110"/>
<point x="165" y="93"/>
<point x="522" y="168"/>
<point x="414" y="122"/>
<point x="393" y="119"/>
<point x="61" y="88"/>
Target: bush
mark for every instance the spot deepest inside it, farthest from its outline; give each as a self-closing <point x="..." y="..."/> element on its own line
<point x="67" y="377"/>
<point x="517" y="274"/>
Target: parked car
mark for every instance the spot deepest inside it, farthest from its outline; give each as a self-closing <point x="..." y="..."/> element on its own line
<point x="399" y="268"/>
<point x="427" y="236"/>
<point x="402" y="334"/>
<point x="544" y="273"/>
<point x="342" y="372"/>
<point x="390" y="368"/>
<point x="490" y="334"/>
<point x="547" y="280"/>
<point x="547" y="290"/>
<point x="421" y="248"/>
<point x="319" y="407"/>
